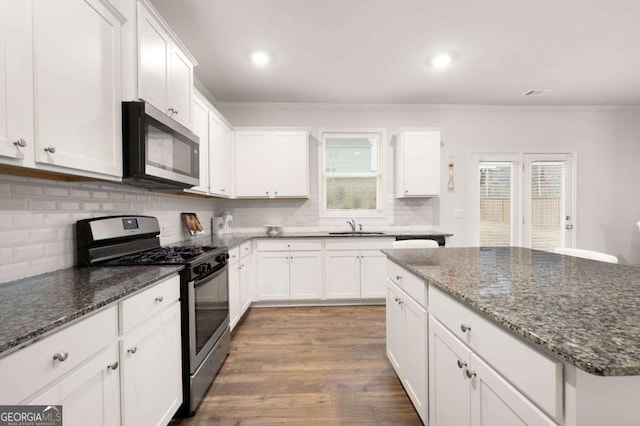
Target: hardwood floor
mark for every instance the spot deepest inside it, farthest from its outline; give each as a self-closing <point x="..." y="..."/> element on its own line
<point x="307" y="366"/>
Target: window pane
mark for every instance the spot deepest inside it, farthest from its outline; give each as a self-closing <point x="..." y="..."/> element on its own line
<point x="495" y="204"/>
<point x="351" y="193"/>
<point x="351" y="154"/>
<point x="547" y="190"/>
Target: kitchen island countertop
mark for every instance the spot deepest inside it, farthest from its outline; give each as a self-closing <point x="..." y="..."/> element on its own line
<point x="584" y="312"/>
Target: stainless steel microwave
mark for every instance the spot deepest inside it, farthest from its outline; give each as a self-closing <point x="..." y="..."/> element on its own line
<point x="158" y="151"/>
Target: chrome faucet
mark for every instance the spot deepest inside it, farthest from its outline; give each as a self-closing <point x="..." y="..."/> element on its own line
<point x="352" y="224"/>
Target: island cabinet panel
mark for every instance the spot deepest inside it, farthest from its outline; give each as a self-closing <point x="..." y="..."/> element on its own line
<point x="536" y="375"/>
<point x="464" y="390"/>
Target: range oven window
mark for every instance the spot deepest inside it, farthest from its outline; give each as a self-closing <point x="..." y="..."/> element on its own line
<point x="211" y="308"/>
<point x="169" y="151"/>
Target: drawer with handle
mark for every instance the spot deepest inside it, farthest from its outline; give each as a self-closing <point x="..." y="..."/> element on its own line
<point x="535" y="374"/>
<point x="284" y="245"/>
<point x="245" y="249"/>
<point x="32" y="368"/>
<point x="143" y="305"/>
<point x="410" y="283"/>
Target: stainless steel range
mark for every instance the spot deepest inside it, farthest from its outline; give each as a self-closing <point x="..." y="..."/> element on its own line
<point x="133" y="240"/>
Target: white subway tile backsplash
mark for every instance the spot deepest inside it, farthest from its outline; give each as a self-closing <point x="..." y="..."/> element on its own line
<point x="30" y="190"/>
<point x="37" y="234"/>
<point x="14" y="238"/>
<point x="30" y="252"/>
<point x="6" y="221"/>
<point x="44" y="235"/>
<point x="80" y="193"/>
<point x="68" y="205"/>
<point x="56" y="192"/>
<point x="36" y="205"/>
<point x="102" y="195"/>
<point x="16" y="203"/>
<point x="28" y="220"/>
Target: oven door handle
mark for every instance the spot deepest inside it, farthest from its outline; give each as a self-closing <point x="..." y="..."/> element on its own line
<point x="203" y="280"/>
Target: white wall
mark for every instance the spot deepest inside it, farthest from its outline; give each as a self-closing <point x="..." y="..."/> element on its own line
<point x="37" y="218"/>
<point x="606" y="139"/>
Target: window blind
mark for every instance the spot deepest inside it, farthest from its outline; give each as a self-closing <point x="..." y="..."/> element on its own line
<point x="495" y="203"/>
<point x="547" y="204"/>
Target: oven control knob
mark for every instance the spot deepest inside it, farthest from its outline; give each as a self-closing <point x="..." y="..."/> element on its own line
<point x="222" y="258"/>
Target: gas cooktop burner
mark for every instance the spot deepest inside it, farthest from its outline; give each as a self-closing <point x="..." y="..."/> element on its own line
<point x="172" y="254"/>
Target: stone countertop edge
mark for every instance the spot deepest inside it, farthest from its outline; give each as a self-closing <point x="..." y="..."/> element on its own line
<point x="602" y="370"/>
<point x="64" y="296"/>
<point x="236" y="239"/>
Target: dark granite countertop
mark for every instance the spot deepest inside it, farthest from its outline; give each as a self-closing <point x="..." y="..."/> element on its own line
<point x="31" y="307"/>
<point x="583" y="311"/>
<point x="235" y="239"/>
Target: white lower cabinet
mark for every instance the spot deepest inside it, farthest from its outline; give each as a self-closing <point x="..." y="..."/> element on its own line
<point x="356" y="269"/>
<point x="240" y="282"/>
<point x="91" y="394"/>
<point x="464" y="390"/>
<point x="152" y="370"/>
<point x="407" y="345"/>
<point x="289" y="269"/>
<point x="284" y="275"/>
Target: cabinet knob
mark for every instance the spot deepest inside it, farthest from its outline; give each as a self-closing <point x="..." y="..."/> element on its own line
<point x="461" y="364"/>
<point x="159" y="298"/>
<point x="61" y="356"/>
<point x="113" y="366"/>
<point x="20" y="142"/>
<point x="465" y="327"/>
<point x="406" y="191"/>
<point x="276" y="193"/>
<point x="132" y="350"/>
<point x="171" y="110"/>
<point x="398" y="277"/>
<point x="470" y="374"/>
<point x="267" y="192"/>
<point x="50" y="149"/>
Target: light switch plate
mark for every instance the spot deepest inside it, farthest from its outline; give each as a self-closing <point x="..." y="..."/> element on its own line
<point x="457" y="213"/>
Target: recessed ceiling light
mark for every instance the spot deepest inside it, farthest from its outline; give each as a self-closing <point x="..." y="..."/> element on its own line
<point x="441" y="61"/>
<point x="260" y="58"/>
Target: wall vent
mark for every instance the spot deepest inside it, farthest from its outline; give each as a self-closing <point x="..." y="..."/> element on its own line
<point x="535" y="92"/>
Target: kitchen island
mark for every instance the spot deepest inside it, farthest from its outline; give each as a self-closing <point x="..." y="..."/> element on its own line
<point x="583" y="316"/>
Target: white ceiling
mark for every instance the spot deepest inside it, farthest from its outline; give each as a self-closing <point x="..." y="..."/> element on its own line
<point x="376" y="51"/>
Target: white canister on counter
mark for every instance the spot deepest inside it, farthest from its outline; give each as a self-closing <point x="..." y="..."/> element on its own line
<point x="217" y="225"/>
<point x="228" y="222"/>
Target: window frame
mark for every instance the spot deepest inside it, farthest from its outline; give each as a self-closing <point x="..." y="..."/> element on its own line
<point x="322" y="175"/>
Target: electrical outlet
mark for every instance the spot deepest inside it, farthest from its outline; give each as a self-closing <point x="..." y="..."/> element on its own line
<point x="457" y="213"/>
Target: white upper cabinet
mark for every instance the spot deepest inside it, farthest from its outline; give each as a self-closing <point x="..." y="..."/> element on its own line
<point x="220" y="159"/>
<point x="271" y="164"/>
<point x="417" y="161"/>
<point x="201" y="129"/>
<point x="61" y="92"/>
<point x="165" y="69"/>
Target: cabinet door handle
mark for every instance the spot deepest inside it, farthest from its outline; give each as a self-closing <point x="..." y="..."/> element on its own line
<point x="461" y="364"/>
<point x="222" y="190"/>
<point x="465" y="328"/>
<point x="159" y="298"/>
<point x="132" y="350"/>
<point x="60" y="356"/>
<point x="20" y="142"/>
<point x="113" y="366"/>
<point x="470" y="374"/>
<point x="50" y="149"/>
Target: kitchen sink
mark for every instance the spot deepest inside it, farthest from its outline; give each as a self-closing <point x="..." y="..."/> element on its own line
<point x="356" y="233"/>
